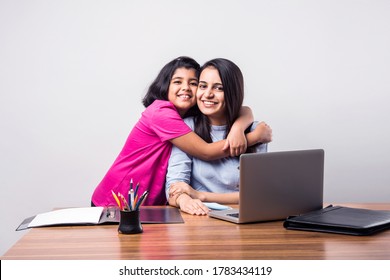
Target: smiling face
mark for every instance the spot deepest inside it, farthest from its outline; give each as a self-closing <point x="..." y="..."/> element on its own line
<point x="211" y="97"/>
<point x="182" y="89"/>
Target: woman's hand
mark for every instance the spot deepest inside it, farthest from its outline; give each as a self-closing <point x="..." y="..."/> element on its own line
<point x="179" y="187"/>
<point x="191" y="206"/>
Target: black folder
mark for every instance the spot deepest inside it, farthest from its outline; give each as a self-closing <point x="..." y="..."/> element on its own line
<point x="342" y="220"/>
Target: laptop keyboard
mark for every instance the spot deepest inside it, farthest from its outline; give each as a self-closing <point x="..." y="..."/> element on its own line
<point x="235" y="215"/>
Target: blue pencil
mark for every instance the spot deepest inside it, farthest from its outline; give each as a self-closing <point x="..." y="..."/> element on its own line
<point x="136" y="189"/>
<point x="141" y="200"/>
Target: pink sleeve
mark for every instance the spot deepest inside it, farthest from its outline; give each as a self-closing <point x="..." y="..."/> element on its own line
<point x="167" y="123"/>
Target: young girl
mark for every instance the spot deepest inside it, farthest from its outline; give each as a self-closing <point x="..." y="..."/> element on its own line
<point x="144" y="157"/>
<point x="191" y="180"/>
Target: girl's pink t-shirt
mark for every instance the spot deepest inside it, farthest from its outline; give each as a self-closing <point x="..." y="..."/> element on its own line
<point x="144" y="157"/>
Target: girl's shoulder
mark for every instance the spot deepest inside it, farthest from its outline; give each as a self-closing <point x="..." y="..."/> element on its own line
<point x="161" y="107"/>
<point x="161" y="104"/>
<point x="162" y="113"/>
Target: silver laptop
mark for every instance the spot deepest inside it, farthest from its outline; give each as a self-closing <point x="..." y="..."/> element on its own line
<point x="276" y="185"/>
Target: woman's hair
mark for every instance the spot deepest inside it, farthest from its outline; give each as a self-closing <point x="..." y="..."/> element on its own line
<point x="233" y="87"/>
<point x="158" y="90"/>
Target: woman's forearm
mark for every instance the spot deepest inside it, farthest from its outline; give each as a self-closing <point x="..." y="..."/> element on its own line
<point x="223" y="198"/>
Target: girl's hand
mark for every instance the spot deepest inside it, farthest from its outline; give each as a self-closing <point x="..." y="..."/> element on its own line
<point x="236" y="142"/>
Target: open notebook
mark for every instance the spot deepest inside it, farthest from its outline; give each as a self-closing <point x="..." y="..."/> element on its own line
<point x="99" y="215"/>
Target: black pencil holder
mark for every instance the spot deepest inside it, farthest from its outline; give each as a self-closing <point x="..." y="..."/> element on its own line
<point x="130" y="223"/>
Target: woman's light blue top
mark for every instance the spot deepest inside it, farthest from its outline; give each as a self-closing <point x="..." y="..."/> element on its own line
<point x="219" y="176"/>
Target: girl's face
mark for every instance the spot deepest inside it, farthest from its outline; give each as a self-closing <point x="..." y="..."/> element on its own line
<point x="182" y="89"/>
<point x="211" y="97"/>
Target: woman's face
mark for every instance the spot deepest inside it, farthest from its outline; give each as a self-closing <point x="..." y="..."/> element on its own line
<point x="211" y="97"/>
<point x="182" y="89"/>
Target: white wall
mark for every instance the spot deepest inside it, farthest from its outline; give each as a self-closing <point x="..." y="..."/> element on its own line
<point x="72" y="75"/>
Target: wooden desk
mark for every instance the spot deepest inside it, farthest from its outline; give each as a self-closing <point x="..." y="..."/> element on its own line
<point x="199" y="238"/>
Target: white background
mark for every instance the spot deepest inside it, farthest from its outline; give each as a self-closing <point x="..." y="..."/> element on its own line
<point x="73" y="73"/>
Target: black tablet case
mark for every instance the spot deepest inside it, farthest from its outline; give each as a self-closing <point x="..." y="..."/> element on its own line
<point x="342" y="220"/>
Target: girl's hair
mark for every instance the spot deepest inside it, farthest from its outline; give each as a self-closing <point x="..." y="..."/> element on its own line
<point x="233" y="87"/>
<point x="158" y="90"/>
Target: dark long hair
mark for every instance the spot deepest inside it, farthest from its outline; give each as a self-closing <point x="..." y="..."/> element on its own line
<point x="158" y="90"/>
<point x="233" y="87"/>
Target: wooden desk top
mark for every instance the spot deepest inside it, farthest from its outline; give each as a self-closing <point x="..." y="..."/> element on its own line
<point x="199" y="238"/>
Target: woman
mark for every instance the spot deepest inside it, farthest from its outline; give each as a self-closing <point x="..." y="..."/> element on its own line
<point x="144" y="157"/>
<point x="191" y="180"/>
